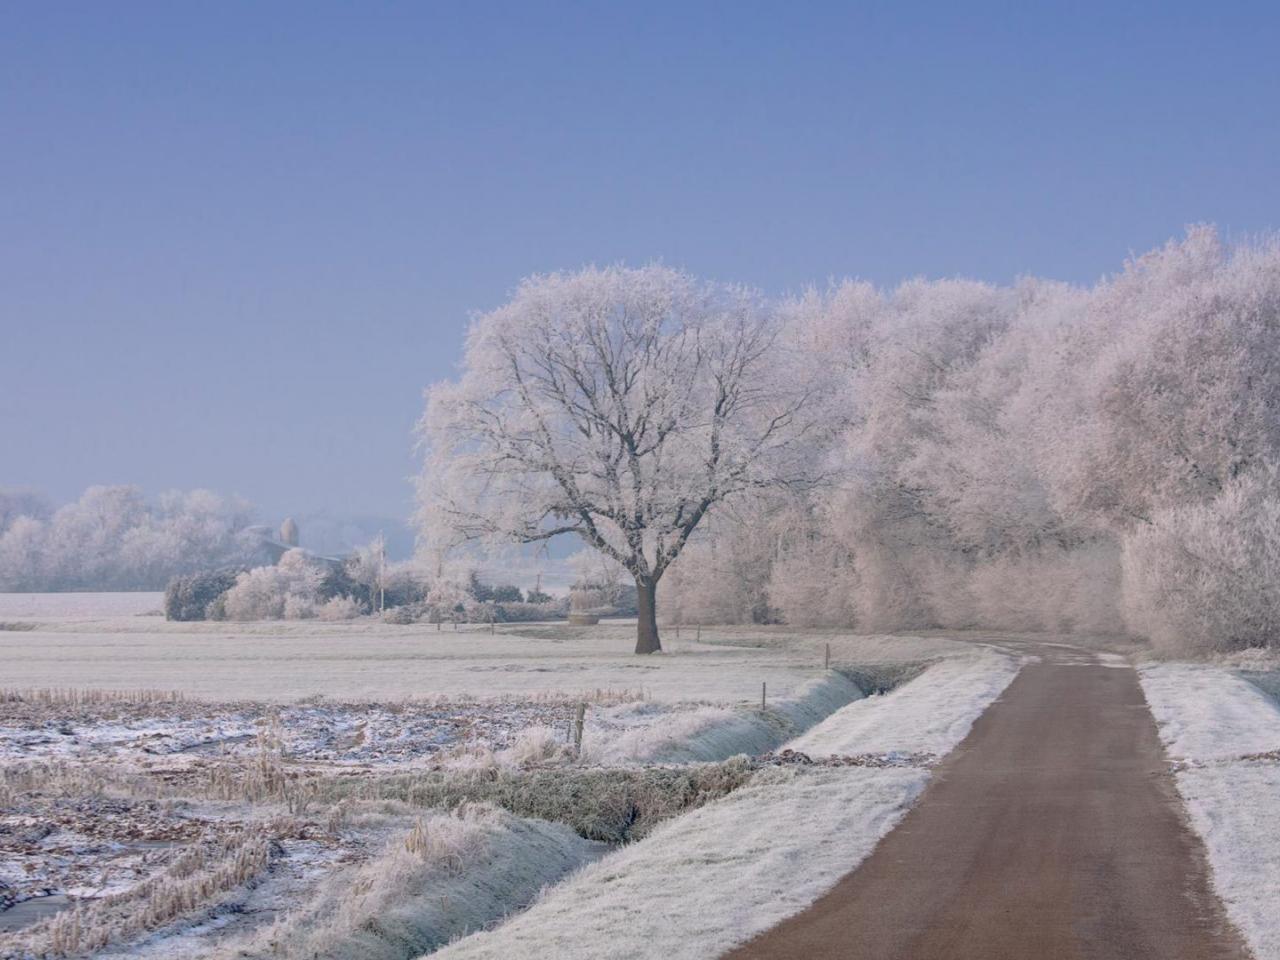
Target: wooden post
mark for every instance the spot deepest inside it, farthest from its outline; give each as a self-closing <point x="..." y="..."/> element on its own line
<point x="579" y="717"/>
<point x="439" y="625"/>
<point x="826" y="660"/>
<point x="677" y="631"/>
<point x="764" y="689"/>
<point x="699" y="636"/>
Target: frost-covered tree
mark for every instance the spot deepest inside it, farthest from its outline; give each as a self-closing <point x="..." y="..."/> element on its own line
<point x="619" y="406"/>
<point x="24" y="558"/>
<point x="114" y="538"/>
<point x="1183" y="391"/>
<point x="18" y="502"/>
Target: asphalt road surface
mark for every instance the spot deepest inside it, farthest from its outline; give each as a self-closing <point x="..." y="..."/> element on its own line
<point x="1052" y="833"/>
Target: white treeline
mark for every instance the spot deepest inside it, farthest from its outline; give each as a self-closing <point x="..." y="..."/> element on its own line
<point x="114" y="538"/>
<point x="1038" y="456"/>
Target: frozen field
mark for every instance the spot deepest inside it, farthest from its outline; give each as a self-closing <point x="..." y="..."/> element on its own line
<point x="84" y="640"/>
<point x="273" y="789"/>
<point x="74" y="606"/>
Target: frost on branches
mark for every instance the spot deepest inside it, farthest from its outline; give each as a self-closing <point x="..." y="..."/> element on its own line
<point x="1039" y="456"/>
<point x="620" y="406"/>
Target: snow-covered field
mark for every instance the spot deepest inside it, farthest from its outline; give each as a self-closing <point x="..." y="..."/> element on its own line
<point x="283" y="789"/>
<point x="68" y="645"/>
<point x="172" y="735"/>
<point x="78" y="606"/>
<point x="1222" y="733"/>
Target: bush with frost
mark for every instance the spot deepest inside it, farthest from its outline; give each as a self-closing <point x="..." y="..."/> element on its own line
<point x="369" y="577"/>
<point x="551" y="609"/>
<point x="1206" y="576"/>
<point x="447" y="600"/>
<point x="289" y="590"/>
<point x="339" y="608"/>
<point x="193" y="597"/>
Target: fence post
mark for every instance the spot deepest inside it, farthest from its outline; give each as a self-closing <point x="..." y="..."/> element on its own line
<point x="764" y="687"/>
<point x="826" y="660"/>
<point x="578" y="717"/>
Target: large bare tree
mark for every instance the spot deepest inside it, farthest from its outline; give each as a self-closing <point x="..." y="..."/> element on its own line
<point x="617" y="405"/>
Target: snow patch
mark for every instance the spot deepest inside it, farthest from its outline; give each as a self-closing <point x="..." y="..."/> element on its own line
<point x="930" y="714"/>
<point x="640" y="733"/>
<point x="1233" y="809"/>
<point x="1207" y="713"/>
<point x="1209" y="719"/>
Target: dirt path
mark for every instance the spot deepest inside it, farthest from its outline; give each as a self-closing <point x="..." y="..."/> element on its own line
<point x="1052" y="833"/>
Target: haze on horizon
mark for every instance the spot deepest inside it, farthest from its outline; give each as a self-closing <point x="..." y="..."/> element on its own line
<point x="239" y="241"/>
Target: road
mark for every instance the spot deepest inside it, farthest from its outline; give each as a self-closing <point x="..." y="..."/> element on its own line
<point x="1052" y="833"/>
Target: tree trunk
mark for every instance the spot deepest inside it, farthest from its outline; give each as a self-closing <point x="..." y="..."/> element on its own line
<point x="647" y="620"/>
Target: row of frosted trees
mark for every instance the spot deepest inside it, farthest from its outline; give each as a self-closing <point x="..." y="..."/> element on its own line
<point x="945" y="454"/>
<point x="114" y="538"/>
<point x="1034" y="457"/>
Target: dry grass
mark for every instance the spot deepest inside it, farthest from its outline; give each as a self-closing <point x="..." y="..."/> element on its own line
<point x="448" y="875"/>
<point x="70" y="779"/>
<point x="265" y="778"/>
<point x="445" y="847"/>
<point x="613" y="806"/>
<point x="196" y="878"/>
<point x="596" y="695"/>
<point x="80" y="696"/>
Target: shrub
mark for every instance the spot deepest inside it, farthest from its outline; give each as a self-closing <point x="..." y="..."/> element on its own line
<point x="473" y="612"/>
<point x="530" y="612"/>
<point x="338" y="582"/>
<point x="191" y="597"/>
<point x="340" y="608"/>
<point x="591" y="599"/>
<point x="1206" y="577"/>
<point x="290" y="590"/>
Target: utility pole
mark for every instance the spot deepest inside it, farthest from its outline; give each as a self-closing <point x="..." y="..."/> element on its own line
<point x="382" y="575"/>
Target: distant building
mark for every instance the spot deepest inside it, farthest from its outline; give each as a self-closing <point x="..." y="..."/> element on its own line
<point x="269" y="546"/>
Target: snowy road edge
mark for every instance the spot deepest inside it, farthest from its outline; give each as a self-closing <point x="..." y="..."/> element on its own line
<point x="716" y="877"/>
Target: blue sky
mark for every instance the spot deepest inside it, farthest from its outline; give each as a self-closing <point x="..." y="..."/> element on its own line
<point x="237" y="240"/>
